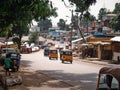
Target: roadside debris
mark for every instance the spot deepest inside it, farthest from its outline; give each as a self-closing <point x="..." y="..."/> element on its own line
<point x="13" y="80"/>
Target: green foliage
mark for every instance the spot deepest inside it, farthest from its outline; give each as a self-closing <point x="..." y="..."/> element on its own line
<point x="88" y="17"/>
<point x="61" y="24"/>
<point x="68" y="28"/>
<point x="6" y="31"/>
<point x="75" y="21"/>
<point x="13" y="11"/>
<point x="20" y="28"/>
<point x="16" y="40"/>
<point x="45" y="24"/>
<point x="117" y="8"/>
<point x="20" y="13"/>
<point x="82" y="5"/>
<point x="102" y="12"/>
<point x="33" y="38"/>
<point x="115" y="23"/>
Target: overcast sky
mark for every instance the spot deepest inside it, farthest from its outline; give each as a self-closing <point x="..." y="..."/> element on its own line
<point x="65" y="13"/>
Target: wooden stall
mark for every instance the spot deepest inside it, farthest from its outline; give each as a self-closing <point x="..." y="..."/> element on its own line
<point x="115" y="42"/>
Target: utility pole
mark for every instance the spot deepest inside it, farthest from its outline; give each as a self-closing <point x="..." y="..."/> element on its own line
<point x="71" y="29"/>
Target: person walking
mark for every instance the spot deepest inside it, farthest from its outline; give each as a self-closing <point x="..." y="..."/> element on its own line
<point x="7" y="63"/>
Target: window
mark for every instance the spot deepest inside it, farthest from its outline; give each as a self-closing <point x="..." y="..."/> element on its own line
<point x="108" y="82"/>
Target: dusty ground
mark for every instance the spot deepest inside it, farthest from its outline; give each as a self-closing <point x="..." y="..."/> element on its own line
<point x="37" y="81"/>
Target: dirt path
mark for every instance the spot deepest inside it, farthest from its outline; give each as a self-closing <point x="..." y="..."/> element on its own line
<point x="36" y="81"/>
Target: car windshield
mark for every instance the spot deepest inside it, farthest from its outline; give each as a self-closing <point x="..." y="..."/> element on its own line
<point x="54" y="51"/>
<point x="108" y="82"/>
<point x="14" y="55"/>
<point x="8" y="50"/>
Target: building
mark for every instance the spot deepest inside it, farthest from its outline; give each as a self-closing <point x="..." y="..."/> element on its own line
<point x="115" y="43"/>
<point x="106" y="19"/>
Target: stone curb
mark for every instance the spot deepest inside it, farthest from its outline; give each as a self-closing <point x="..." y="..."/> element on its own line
<point x="96" y="61"/>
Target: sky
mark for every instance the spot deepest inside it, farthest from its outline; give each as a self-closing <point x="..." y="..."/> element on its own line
<point x="65" y="13"/>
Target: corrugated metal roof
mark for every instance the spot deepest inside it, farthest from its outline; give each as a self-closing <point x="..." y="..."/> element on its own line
<point x="117" y="38"/>
<point x="81" y="39"/>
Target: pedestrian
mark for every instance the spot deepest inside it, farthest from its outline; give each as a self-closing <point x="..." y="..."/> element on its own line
<point x="7" y="62"/>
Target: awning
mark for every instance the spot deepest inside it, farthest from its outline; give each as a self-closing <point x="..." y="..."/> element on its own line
<point x="117" y="38"/>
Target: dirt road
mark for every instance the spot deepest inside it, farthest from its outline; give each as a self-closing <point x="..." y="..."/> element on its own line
<point x="80" y="75"/>
<point x="40" y="73"/>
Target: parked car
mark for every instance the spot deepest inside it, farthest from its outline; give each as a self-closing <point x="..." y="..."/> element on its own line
<point x="109" y="78"/>
<point x="35" y="48"/>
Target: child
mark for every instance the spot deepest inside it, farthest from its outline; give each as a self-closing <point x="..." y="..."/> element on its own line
<point x="7" y="62"/>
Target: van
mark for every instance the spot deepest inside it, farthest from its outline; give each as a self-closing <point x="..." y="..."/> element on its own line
<point x="4" y="51"/>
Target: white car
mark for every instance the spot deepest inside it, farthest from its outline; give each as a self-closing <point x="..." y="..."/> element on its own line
<point x="35" y="48"/>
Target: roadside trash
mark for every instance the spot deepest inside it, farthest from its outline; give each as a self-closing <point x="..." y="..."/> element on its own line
<point x="13" y="80"/>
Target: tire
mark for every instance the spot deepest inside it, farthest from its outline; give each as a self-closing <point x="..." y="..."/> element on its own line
<point x="71" y="62"/>
<point x="62" y="61"/>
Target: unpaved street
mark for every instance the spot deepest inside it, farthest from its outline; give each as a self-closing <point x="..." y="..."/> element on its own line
<point x="80" y="75"/>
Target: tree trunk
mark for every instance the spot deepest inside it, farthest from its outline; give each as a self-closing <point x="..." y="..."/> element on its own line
<point x="81" y="34"/>
<point x="19" y="45"/>
<point x="80" y="28"/>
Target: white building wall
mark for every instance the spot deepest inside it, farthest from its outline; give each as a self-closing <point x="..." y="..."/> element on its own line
<point x="115" y="55"/>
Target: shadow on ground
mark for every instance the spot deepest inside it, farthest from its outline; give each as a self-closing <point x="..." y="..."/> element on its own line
<point x="38" y="80"/>
<point x="82" y="81"/>
<point x="25" y="63"/>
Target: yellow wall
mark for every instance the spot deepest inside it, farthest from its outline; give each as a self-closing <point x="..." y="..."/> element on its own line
<point x="98" y="39"/>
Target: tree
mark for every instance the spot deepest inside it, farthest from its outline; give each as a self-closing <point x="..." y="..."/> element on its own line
<point x="34" y="36"/>
<point x="117" y="8"/>
<point x="44" y="25"/>
<point x="102" y="12"/>
<point x="61" y="24"/>
<point x="87" y="18"/>
<point x="115" y="22"/>
<point x="19" y="29"/>
<point x="81" y="7"/>
<point x="20" y="13"/>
